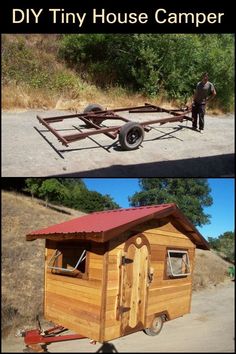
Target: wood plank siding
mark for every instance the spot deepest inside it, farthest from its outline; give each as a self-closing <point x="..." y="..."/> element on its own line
<point x="124" y="283"/>
<point x="169" y="296"/>
<point x="73" y="302"/>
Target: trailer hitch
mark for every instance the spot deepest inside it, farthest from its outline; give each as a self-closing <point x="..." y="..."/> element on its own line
<point x="37" y="340"/>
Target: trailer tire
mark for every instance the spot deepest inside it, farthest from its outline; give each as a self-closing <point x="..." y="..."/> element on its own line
<point x="94" y="107"/>
<point x="156" y="328"/>
<point x="131" y="136"/>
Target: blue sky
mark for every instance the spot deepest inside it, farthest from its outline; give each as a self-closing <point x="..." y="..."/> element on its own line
<point x="221" y="211"/>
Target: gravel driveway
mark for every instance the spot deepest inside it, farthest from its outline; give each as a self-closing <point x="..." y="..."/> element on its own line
<point x="170" y="150"/>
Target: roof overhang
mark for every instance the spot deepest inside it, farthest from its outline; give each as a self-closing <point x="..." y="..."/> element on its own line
<point x="104" y="236"/>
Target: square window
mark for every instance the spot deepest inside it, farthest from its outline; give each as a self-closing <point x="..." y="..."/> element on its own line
<point x="178" y="264"/>
<point x="69" y="260"/>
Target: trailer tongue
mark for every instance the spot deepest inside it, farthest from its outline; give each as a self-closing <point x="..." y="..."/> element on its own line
<point x="37" y="340"/>
<point x="131" y="134"/>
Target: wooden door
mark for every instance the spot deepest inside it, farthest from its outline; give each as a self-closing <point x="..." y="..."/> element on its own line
<point x="135" y="265"/>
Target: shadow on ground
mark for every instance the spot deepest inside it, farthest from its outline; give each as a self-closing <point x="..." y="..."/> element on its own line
<point x="209" y="166"/>
<point x="107" y="348"/>
<point x="115" y="145"/>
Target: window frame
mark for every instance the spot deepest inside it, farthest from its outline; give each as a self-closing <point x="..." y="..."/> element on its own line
<point x="74" y="272"/>
<point x="174" y="275"/>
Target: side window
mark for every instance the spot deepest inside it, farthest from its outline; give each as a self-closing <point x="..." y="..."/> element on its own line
<point x="178" y="264"/>
<point x="69" y="260"/>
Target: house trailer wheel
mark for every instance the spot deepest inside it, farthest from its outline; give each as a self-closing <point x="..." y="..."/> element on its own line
<point x="156" y="328"/>
<point x="131" y="136"/>
<point x="94" y="107"/>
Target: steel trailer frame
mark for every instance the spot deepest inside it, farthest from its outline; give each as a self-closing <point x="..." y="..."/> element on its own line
<point x="37" y="340"/>
<point x="131" y="133"/>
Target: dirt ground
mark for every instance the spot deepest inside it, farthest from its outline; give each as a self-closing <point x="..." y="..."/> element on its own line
<point x="208" y="328"/>
<point x="170" y="150"/>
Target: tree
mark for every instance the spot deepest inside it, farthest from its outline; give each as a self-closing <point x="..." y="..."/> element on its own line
<point x="190" y="195"/>
<point x="90" y="201"/>
<point x="166" y="65"/>
<point x="51" y="189"/>
<point x="32" y="186"/>
<point x="224" y="244"/>
<point x="70" y="192"/>
<point x="72" y="182"/>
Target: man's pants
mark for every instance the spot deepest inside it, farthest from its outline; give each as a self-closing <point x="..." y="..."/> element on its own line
<point x="198" y="110"/>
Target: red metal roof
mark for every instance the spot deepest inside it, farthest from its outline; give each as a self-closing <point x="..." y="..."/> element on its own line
<point x="101" y="226"/>
<point x="102" y="221"/>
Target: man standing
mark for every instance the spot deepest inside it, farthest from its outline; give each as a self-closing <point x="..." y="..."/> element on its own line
<point x="204" y="92"/>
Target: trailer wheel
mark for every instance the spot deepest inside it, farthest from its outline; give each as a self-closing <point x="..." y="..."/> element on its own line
<point x="94" y="107"/>
<point x="156" y="328"/>
<point x="131" y="136"/>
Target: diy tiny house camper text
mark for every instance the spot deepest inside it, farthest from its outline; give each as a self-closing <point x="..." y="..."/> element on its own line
<point x="160" y="16"/>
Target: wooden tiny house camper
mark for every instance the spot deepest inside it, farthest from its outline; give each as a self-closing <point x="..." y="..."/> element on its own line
<point x="111" y="273"/>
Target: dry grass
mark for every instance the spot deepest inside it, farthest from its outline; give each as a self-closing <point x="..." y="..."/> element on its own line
<point x="22" y="97"/>
<point x="60" y="87"/>
<point x="34" y="78"/>
<point x="22" y="262"/>
<point x="19" y="96"/>
<point x="209" y="270"/>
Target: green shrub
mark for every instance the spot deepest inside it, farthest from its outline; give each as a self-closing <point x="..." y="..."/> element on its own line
<point x="155" y="63"/>
<point x="224" y="244"/>
<point x="37" y="69"/>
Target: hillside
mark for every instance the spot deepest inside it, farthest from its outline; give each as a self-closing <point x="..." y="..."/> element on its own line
<point x="34" y="77"/>
<point x="22" y="262"/>
<point x="57" y="71"/>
